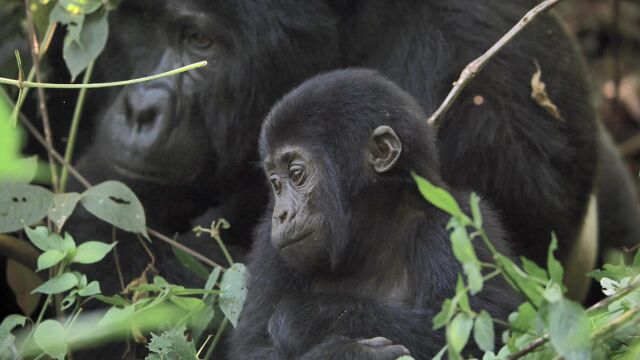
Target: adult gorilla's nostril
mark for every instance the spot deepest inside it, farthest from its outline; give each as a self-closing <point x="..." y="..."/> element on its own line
<point x="145" y="107"/>
<point x="282" y="217"/>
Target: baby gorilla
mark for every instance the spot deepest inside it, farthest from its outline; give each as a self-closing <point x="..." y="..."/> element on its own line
<point x="352" y="262"/>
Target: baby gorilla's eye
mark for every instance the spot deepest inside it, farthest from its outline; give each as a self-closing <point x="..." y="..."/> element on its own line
<point x="276" y="184"/>
<point x="297" y="174"/>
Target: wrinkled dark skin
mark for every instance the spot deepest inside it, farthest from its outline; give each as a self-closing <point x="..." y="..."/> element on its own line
<point x="350" y="262"/>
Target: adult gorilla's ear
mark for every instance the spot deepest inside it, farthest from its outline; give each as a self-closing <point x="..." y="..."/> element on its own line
<point x="384" y="149"/>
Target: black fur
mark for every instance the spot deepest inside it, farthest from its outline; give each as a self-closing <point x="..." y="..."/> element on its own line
<point x="391" y="259"/>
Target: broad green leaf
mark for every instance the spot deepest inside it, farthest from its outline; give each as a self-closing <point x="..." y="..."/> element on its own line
<point x="483" y="332"/>
<point x="76" y="7"/>
<point x="554" y="267"/>
<point x="93" y="288"/>
<point x="8" y="324"/>
<point x="234" y="291"/>
<point x="44" y="239"/>
<point x="78" y="54"/>
<point x="438" y="197"/>
<point x="22" y="204"/>
<point x="50" y="337"/>
<point x="458" y="332"/>
<point x="92" y="251"/>
<point x="19" y="170"/>
<point x="117" y="316"/>
<point x="524" y="319"/>
<point x="442" y="317"/>
<point x="115" y="300"/>
<point x="569" y="330"/>
<point x="62" y="207"/>
<point x="187" y="303"/>
<point x="462" y="248"/>
<point x="116" y="204"/>
<point x="191" y="263"/>
<point x="50" y="258"/>
<point x="531" y="290"/>
<point x="58" y="284"/>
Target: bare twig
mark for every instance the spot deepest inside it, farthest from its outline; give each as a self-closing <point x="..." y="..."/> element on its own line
<point x="44" y="113"/>
<point x="529" y="348"/>
<point x="471" y="70"/>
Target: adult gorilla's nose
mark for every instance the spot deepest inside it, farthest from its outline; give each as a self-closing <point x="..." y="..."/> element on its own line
<point x="148" y="108"/>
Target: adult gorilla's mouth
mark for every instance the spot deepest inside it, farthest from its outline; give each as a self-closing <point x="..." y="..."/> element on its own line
<point x="288" y="242"/>
<point x="153" y="175"/>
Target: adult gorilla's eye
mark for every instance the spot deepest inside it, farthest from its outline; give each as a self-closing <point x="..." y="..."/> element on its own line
<point x="277" y="185"/>
<point x="199" y="40"/>
<point x="296" y="174"/>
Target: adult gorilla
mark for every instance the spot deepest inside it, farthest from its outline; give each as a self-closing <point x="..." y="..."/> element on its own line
<point x="187" y="143"/>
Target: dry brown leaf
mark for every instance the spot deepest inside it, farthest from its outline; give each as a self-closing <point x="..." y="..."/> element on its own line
<point x="22" y="280"/>
<point x="539" y="94"/>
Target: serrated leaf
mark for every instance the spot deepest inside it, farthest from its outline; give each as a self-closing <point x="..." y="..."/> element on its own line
<point x="58" y="284"/>
<point x="191" y="263"/>
<point x="115" y="203"/>
<point x="438" y="197"/>
<point x="22" y="204"/>
<point x="92" y="252"/>
<point x="78" y="54"/>
<point x="458" y="332"/>
<point x="50" y="258"/>
<point x="553" y="265"/>
<point x="234" y="292"/>
<point x="483" y="332"/>
<point x="44" y="239"/>
<point x="569" y="330"/>
<point x="62" y="207"/>
<point x="50" y="337"/>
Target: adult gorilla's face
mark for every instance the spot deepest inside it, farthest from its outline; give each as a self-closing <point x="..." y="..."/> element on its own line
<point x="204" y="122"/>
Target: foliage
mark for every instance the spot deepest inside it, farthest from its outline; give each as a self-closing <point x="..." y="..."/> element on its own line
<point x="547" y="325"/>
<point x="148" y="306"/>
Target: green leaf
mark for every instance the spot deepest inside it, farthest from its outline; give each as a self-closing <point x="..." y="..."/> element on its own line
<point x="191" y="263"/>
<point x="78" y="53"/>
<point x="524" y="319"/>
<point x="483" y="332"/>
<point x="552" y="293"/>
<point x="93" y="288"/>
<point x="405" y="357"/>
<point x="92" y="252"/>
<point x="57" y="285"/>
<point x="22" y="204"/>
<point x="474" y="276"/>
<point x="187" y="303"/>
<point x="474" y="203"/>
<point x="554" y="267"/>
<point x="117" y="316"/>
<point x="8" y="324"/>
<point x="531" y="290"/>
<point x="20" y="170"/>
<point x="172" y="344"/>
<point x="533" y="269"/>
<point x="80" y="6"/>
<point x="116" y="204"/>
<point x="68" y="243"/>
<point x="62" y="207"/>
<point x="234" y="291"/>
<point x="440" y="353"/>
<point x="212" y="280"/>
<point x="461" y="293"/>
<point x="115" y="300"/>
<point x="44" y="239"/>
<point x="462" y="248"/>
<point x="50" y="337"/>
<point x="438" y="197"/>
<point x="569" y="330"/>
<point x="458" y="332"/>
<point x="50" y="258"/>
<point x="442" y="317"/>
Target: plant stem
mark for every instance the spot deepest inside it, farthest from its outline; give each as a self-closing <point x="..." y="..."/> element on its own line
<point x="30" y="84"/>
<point x="75" y="125"/>
<point x="216" y="339"/>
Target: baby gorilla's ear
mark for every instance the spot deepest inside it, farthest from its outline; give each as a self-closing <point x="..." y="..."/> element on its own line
<point x="384" y="149"/>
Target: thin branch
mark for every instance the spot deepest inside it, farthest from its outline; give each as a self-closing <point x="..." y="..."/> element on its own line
<point x="471" y="70"/>
<point x="44" y="113"/>
<point x="529" y="348"/>
<point x="40" y="85"/>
